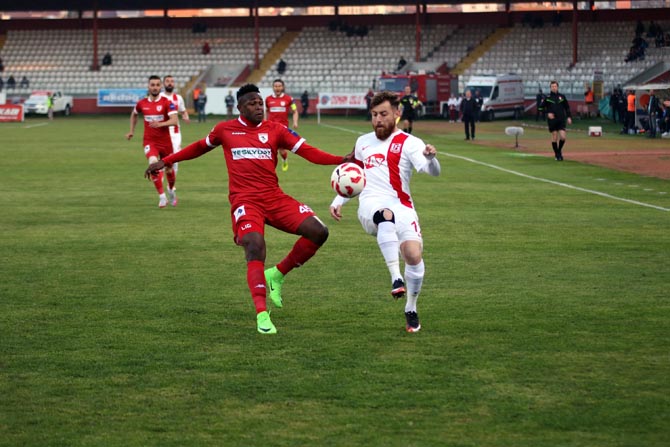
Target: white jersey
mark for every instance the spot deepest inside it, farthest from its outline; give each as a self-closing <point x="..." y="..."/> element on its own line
<point x="388" y="165"/>
<point x="178" y="102"/>
<point x="388" y="168"/>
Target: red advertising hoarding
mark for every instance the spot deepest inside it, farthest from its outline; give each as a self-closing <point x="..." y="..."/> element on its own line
<point x="11" y="113"/>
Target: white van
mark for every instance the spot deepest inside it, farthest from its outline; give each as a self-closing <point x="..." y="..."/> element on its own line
<point x="503" y="95"/>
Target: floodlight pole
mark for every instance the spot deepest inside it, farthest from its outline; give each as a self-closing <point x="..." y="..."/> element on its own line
<point x="574" y="32"/>
<point x="417" y="55"/>
<point x="257" y="60"/>
<point x="95" y="66"/>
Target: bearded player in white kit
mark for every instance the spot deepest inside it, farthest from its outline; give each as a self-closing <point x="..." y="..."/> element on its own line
<point x="386" y="209"/>
<point x="175" y="131"/>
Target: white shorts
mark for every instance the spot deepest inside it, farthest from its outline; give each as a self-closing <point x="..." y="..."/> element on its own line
<point x="176" y="142"/>
<point x="406" y="220"/>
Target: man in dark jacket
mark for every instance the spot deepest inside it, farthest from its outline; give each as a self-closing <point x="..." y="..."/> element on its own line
<point x="479" y="102"/>
<point x="468" y="113"/>
<point x="557" y="109"/>
<point x="652" y="109"/>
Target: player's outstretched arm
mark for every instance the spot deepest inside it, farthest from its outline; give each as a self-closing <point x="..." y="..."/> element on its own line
<point x="317" y="156"/>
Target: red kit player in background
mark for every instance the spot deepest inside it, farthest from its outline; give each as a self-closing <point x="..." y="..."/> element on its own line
<point x="278" y="106"/>
<point x="159" y="114"/>
<point x="250" y="147"/>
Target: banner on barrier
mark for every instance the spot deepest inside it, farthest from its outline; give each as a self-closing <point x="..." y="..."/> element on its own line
<point x="11" y="113"/>
<point x="120" y="97"/>
<point x="338" y="100"/>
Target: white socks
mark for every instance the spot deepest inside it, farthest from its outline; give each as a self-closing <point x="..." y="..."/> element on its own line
<point x="413" y="281"/>
<point x="388" y="242"/>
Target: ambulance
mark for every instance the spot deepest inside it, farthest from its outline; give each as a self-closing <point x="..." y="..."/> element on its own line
<point x="503" y="95"/>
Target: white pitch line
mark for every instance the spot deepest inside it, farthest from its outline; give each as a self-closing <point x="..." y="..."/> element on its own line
<point x="553" y="182"/>
<point x="539" y="179"/>
<point x="35" y="125"/>
<point x="342" y="129"/>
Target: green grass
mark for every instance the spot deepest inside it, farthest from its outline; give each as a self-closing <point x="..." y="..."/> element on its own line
<point x="545" y="310"/>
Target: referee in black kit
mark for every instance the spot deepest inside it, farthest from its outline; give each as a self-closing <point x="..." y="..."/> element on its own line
<point x="557" y="110"/>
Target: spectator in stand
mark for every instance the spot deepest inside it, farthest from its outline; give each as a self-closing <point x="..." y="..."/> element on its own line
<point x="25" y="83"/>
<point x="539" y="99"/>
<point x="452" y="104"/>
<point x="401" y="63"/>
<point x="304" y="101"/>
<point x="11" y="82"/>
<point x="639" y="29"/>
<point x="107" y="59"/>
<point x="557" y="19"/>
<point x="621" y="105"/>
<point x="200" y="103"/>
<point x="664" y="126"/>
<point x="206" y="49"/>
<point x="613" y="101"/>
<point x="589" y="98"/>
<point x="630" y="111"/>
<point x="2" y="65"/>
<point x="660" y="40"/>
<point x="281" y="66"/>
<point x="653" y="109"/>
<point x="368" y="99"/>
<point x="230" y="103"/>
<point x="2" y="84"/>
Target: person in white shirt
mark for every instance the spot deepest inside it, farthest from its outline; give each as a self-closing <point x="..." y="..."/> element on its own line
<point x="452" y="111"/>
<point x="386" y="209"/>
<point x="175" y="132"/>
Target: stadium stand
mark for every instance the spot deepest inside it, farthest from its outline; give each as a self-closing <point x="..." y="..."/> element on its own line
<point x="62" y="58"/>
<point x="321" y="59"/>
<point x="542" y="54"/>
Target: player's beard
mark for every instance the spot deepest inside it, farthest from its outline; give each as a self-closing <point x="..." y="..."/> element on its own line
<point x="384" y="131"/>
<point x="169" y="89"/>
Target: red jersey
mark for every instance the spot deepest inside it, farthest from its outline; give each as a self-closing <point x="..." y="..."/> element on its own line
<point x="251" y="154"/>
<point x="158" y="110"/>
<point x="278" y="108"/>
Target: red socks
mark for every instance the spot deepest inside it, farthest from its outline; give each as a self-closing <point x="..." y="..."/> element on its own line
<point x="171" y="178"/>
<point x="256" y="283"/>
<point x="158" y="181"/>
<point x="301" y="252"/>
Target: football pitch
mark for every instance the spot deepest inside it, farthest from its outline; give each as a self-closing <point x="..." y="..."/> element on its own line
<point x="545" y="307"/>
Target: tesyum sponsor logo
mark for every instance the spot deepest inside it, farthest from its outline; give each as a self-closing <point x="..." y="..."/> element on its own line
<point x="240" y="153"/>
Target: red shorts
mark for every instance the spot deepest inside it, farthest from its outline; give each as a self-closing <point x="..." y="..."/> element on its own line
<point x="280" y="211"/>
<point x="155" y="150"/>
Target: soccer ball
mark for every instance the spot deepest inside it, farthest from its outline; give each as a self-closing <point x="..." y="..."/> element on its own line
<point x="348" y="180"/>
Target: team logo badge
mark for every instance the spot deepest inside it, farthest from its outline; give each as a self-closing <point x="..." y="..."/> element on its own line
<point x="159" y="108"/>
<point x="239" y="212"/>
<point x="395" y="148"/>
<point x="263" y="137"/>
<point x="282" y="103"/>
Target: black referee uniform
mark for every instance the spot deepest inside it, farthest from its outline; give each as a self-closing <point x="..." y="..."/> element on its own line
<point x="409" y="104"/>
<point x="557" y="104"/>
